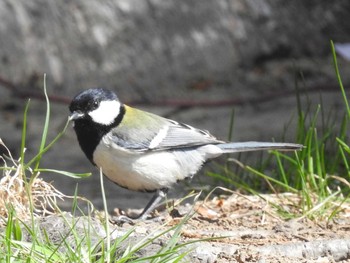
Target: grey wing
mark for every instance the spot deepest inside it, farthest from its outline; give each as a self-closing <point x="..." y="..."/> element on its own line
<point x="172" y="135"/>
<point x="179" y="135"/>
<point x="130" y="140"/>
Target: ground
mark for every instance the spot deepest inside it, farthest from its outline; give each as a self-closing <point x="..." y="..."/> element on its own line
<point x="249" y="229"/>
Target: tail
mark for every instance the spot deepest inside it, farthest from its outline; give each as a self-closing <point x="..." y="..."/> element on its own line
<point x="232" y="147"/>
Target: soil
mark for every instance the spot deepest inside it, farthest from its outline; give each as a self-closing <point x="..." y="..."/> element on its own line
<point x="250" y="229"/>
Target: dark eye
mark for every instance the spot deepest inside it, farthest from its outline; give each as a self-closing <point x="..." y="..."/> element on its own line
<point x="95" y="104"/>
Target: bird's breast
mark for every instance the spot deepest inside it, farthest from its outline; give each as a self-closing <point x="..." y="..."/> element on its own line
<point x="147" y="171"/>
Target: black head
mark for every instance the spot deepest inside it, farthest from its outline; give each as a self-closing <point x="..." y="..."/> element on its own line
<point x="94" y="112"/>
<point x="89" y="100"/>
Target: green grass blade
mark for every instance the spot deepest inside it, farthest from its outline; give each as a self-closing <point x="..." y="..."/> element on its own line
<point x="281" y="168"/>
<point x="232" y="121"/>
<point x="344" y="145"/>
<point x="69" y="174"/>
<point x="46" y="126"/>
<point x="45" y="149"/>
<point x="345" y="158"/>
<point x="108" y="236"/>
<point x="339" y="79"/>
<point x="24" y="133"/>
<point x="262" y="175"/>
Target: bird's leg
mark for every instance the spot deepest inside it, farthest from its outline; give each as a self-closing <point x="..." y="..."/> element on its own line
<point x="157" y="197"/>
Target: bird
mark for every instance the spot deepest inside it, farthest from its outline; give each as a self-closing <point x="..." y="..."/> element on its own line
<point x="145" y="152"/>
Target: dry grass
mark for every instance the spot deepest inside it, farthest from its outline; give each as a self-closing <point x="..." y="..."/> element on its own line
<point x="286" y="205"/>
<point x="24" y="198"/>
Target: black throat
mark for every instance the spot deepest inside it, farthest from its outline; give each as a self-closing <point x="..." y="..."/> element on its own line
<point x="90" y="134"/>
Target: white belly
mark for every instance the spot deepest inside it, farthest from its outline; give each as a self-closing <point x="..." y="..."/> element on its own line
<point x="151" y="170"/>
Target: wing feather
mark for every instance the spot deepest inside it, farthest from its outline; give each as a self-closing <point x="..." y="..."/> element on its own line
<point x="154" y="133"/>
<point x="181" y="135"/>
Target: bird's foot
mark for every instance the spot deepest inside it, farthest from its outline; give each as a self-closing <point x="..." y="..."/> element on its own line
<point x="143" y="216"/>
<point x="122" y="219"/>
<point x="134" y="219"/>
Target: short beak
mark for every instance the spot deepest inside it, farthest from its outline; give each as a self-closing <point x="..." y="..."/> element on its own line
<point x="75" y="115"/>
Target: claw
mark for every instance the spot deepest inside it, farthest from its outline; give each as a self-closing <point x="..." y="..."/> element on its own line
<point x="120" y="220"/>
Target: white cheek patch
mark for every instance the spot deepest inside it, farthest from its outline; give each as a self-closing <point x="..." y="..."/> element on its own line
<point x="106" y="113"/>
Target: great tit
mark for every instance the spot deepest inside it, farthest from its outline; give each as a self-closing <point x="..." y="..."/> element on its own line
<point x="142" y="151"/>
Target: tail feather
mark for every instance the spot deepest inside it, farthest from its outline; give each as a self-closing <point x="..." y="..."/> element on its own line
<point x="232" y="147"/>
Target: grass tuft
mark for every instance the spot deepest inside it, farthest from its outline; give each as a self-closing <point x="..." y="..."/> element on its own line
<point x="319" y="174"/>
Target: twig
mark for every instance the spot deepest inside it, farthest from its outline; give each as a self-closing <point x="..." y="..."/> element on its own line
<point x="20" y="93"/>
<point x="23" y="94"/>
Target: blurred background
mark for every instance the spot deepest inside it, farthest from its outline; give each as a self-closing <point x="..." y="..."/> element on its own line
<point x="192" y="61"/>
